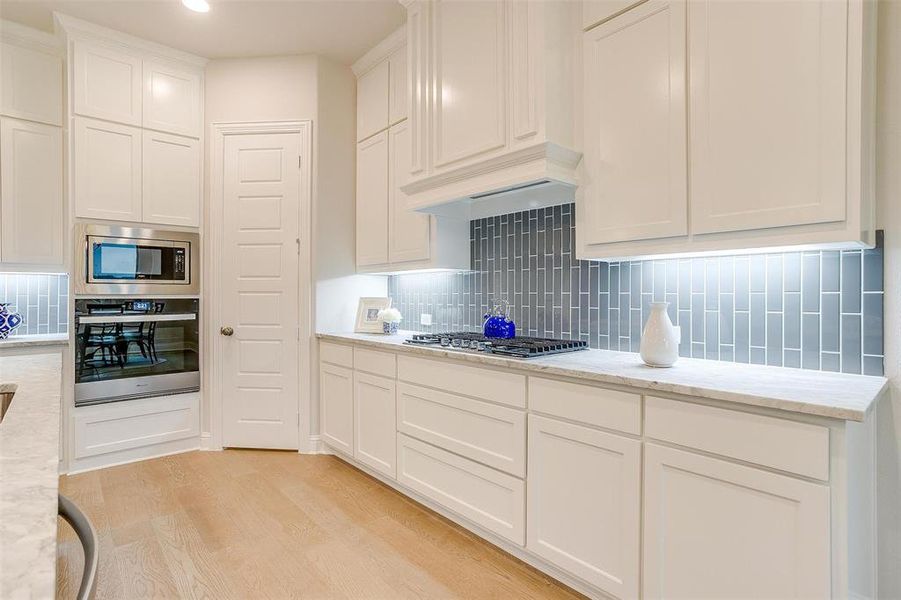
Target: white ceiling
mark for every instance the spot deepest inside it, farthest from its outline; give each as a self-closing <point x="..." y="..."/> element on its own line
<point x="342" y="30"/>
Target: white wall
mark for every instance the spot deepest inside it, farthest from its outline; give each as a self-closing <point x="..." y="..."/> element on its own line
<point x="888" y="190"/>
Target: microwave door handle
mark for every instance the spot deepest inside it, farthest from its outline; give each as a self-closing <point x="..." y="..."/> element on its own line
<point x="137" y="318"/>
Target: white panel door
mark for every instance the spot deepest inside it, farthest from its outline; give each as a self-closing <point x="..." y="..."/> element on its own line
<point x="713" y="529"/>
<point x="409" y="235"/>
<point x="260" y="290"/>
<point x="372" y="101"/>
<point x="171" y="99"/>
<point x="372" y="200"/>
<point x="584" y="511"/>
<point x="171" y="179"/>
<point x="31" y="84"/>
<point x="469" y="54"/>
<point x="106" y="84"/>
<point x="768" y="113"/>
<point x="399" y="92"/>
<point x="107" y="172"/>
<point x="375" y="430"/>
<point x="31" y="193"/>
<point x="336" y="407"/>
<point x="635" y="144"/>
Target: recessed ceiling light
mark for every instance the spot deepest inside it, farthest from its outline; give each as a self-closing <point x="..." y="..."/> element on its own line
<point x="197" y="5"/>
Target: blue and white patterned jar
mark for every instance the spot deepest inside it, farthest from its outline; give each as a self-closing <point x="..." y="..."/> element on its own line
<point x="389" y="328"/>
<point x="9" y="320"/>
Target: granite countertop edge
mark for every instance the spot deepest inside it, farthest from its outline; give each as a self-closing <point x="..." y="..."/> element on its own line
<point x="833" y="395"/>
<point x="29" y="474"/>
<point x="27" y="341"/>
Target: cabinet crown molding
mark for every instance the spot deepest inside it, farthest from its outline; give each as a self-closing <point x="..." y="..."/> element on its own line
<point x="380" y="51"/>
<point x="20" y="35"/>
<point x="72" y="28"/>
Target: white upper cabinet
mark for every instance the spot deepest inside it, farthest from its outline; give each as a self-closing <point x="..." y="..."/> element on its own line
<point x="31" y="194"/>
<point x="491" y="98"/>
<point x="635" y="185"/>
<point x="696" y="509"/>
<point x="107" y="170"/>
<point x="372" y="200"/>
<point x="172" y="99"/>
<point x="171" y="179"/>
<point x="31" y="83"/>
<point x="399" y="92"/>
<point x="778" y="100"/>
<point x="408" y="231"/>
<point x="372" y="101"/>
<point x="768" y="110"/>
<point x="107" y="83"/>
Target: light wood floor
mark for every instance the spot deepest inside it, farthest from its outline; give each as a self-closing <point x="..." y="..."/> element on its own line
<point x="255" y="524"/>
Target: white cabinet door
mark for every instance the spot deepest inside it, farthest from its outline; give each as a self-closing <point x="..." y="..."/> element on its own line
<point x="107" y="173"/>
<point x="399" y="90"/>
<point x="336" y="407"/>
<point x="635" y="153"/>
<point x="31" y="84"/>
<point x="171" y="180"/>
<point x="408" y="231"/>
<point x="595" y="11"/>
<point x="469" y="68"/>
<point x="31" y="193"/>
<point x="584" y="503"/>
<point x="768" y="113"/>
<point x="171" y="99"/>
<point x="714" y="529"/>
<point x="375" y="432"/>
<point x="372" y="200"/>
<point x="107" y="84"/>
<point x="372" y="100"/>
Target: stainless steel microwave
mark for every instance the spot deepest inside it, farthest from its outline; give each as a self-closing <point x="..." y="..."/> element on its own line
<point x="131" y="260"/>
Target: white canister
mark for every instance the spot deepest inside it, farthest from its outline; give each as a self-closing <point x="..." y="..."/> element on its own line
<point x="660" y="338"/>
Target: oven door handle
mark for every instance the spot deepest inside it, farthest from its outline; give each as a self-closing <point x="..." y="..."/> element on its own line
<point x="137" y="318"/>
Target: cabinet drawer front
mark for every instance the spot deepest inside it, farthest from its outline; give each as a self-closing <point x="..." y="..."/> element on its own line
<point x="373" y="361"/>
<point x="503" y="388"/>
<point x="125" y="425"/>
<point x="337" y="354"/>
<point x="486" y="497"/>
<point x="585" y="503"/>
<point x="586" y="404"/>
<point x="799" y="448"/>
<point x="493" y="435"/>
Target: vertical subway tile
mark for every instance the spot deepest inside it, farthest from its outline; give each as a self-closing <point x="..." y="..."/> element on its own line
<point x="757" y="270"/>
<point x="774" y="273"/>
<point x="742" y="283"/>
<point x="792" y="358"/>
<point x="830" y="322"/>
<point x="872" y="270"/>
<point x="758" y="356"/>
<point x="830" y="271"/>
<point x="726" y="276"/>
<point x="850" y="284"/>
<point x="742" y="337"/>
<point x="758" y="320"/>
<point x="872" y="323"/>
<point x="711" y="336"/>
<point x="659" y="284"/>
<point x="774" y="339"/>
<point x="810" y="341"/>
<point x="698" y="275"/>
<point x="873" y="365"/>
<point x="792" y="314"/>
<point x="791" y="265"/>
<point x="851" y="344"/>
<point x="684" y="286"/>
<point x="672" y="276"/>
<point x="810" y="282"/>
<point x="712" y="283"/>
<point x="697" y="317"/>
<point x="830" y="361"/>
<point x="726" y="318"/>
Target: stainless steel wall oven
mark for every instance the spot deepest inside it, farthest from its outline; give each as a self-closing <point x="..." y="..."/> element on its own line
<point x="135" y="348"/>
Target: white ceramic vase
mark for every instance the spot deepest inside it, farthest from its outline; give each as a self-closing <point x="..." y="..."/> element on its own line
<point x="660" y="338"/>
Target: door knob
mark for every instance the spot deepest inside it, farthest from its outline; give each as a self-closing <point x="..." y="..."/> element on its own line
<point x="226" y="331"/>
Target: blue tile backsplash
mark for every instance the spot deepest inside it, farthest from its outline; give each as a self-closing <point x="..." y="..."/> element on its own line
<point x="41" y="299"/>
<point x="813" y="310"/>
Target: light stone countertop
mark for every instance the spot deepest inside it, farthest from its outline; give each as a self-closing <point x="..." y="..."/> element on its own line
<point x="833" y="395"/>
<point x="27" y="341"/>
<point x="29" y="475"/>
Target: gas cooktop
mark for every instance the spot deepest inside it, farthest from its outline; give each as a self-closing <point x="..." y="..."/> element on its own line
<point x="518" y="347"/>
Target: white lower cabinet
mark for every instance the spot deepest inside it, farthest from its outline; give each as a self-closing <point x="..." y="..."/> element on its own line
<point x="714" y="529"/>
<point x="375" y="429"/>
<point x="489" y="498"/>
<point x="336" y="405"/>
<point x="584" y="503"/>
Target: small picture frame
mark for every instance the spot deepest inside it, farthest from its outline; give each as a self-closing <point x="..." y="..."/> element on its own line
<point x="368" y="314"/>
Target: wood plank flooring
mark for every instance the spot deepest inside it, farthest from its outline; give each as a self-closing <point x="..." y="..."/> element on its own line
<point x="262" y="524"/>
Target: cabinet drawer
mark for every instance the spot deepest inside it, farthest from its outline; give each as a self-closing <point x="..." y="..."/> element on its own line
<point x="373" y="361"/>
<point x="491" y="499"/>
<point x="586" y="404"/>
<point x="337" y="354"/>
<point x="503" y="388"/>
<point x="491" y="434"/>
<point x="799" y="448"/>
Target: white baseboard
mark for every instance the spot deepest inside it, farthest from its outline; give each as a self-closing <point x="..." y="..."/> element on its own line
<point x="206" y="442"/>
<point x="112" y="459"/>
<point x="314" y="445"/>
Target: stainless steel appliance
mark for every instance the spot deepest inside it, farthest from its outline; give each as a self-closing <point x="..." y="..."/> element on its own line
<point x="516" y="347"/>
<point x="134" y="348"/>
<point x="136" y="261"/>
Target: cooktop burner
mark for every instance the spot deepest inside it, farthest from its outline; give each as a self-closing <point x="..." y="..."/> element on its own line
<point x="518" y="347"/>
